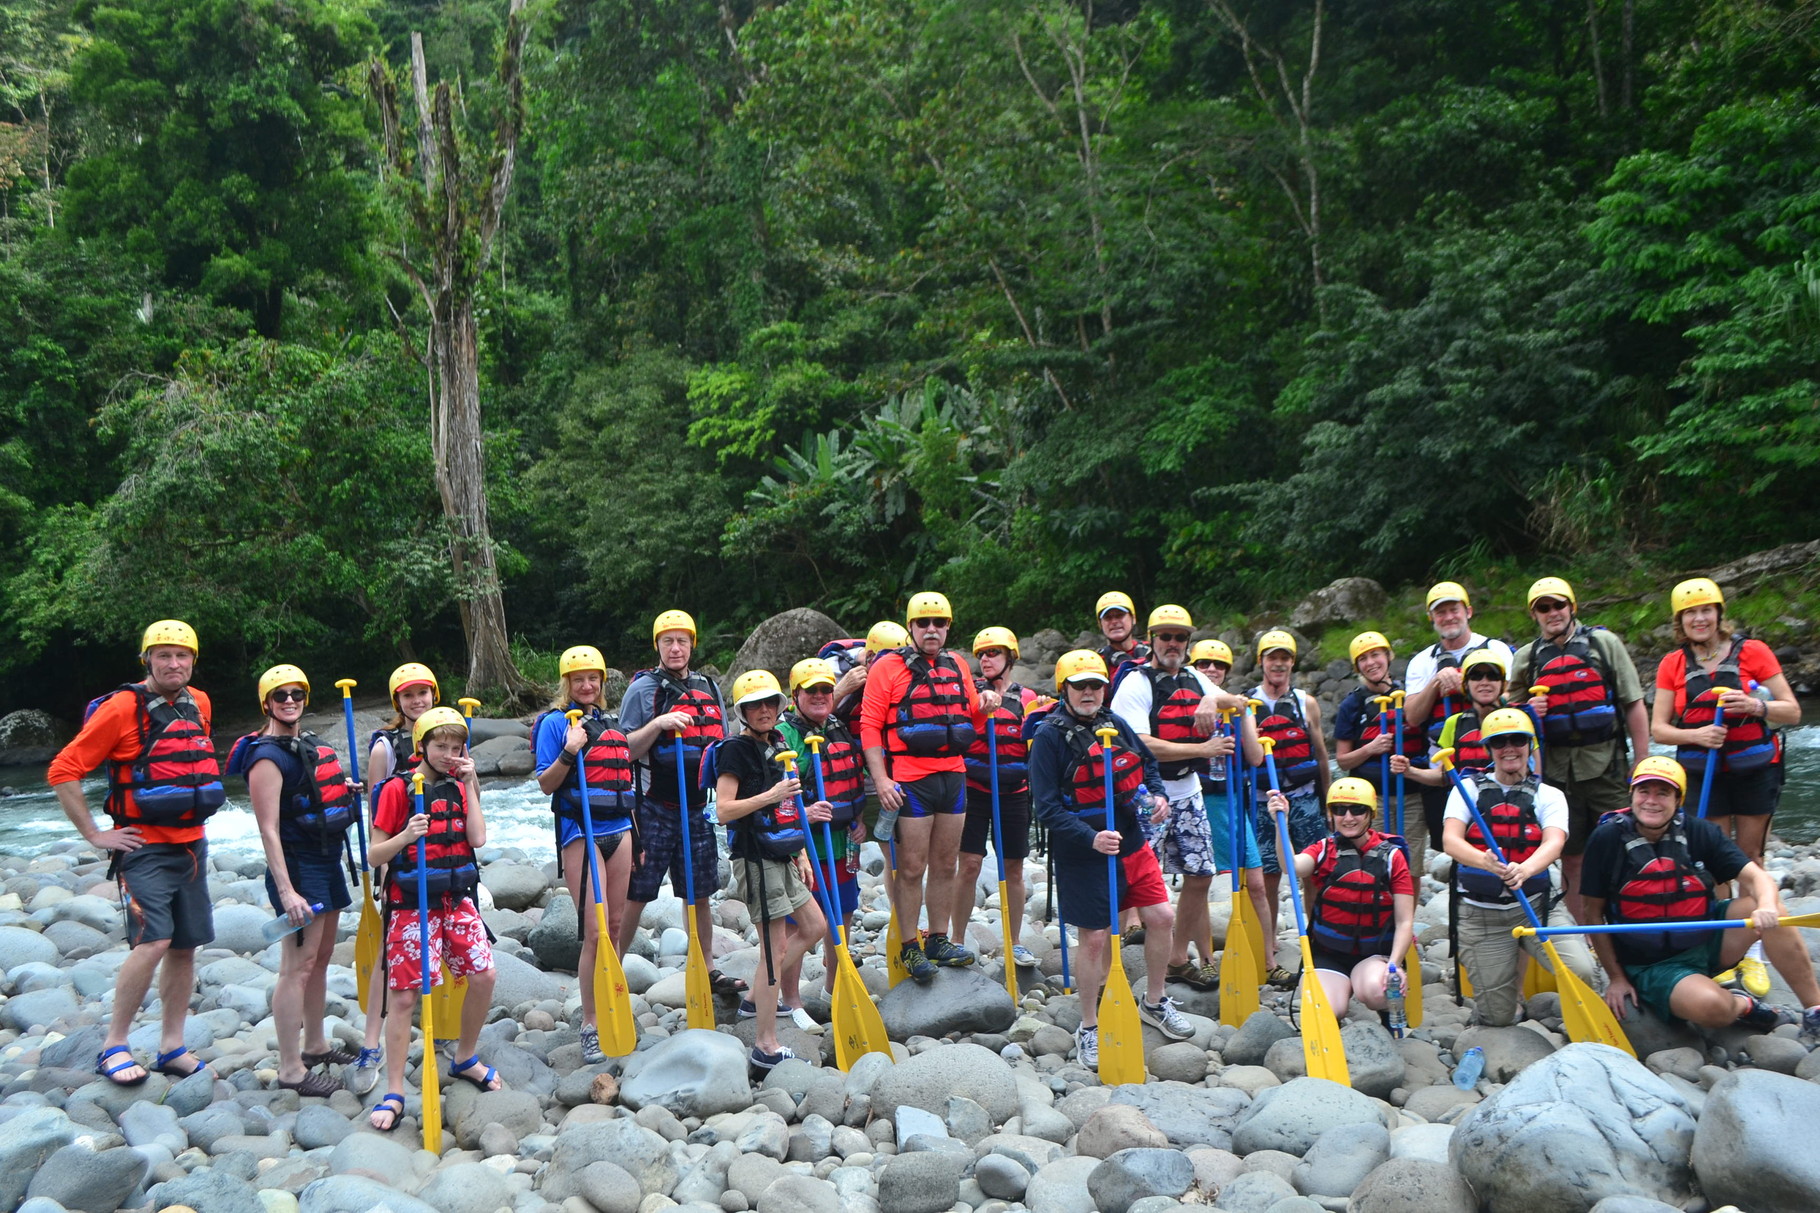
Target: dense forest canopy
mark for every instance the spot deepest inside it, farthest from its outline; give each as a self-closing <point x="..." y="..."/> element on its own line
<point x="817" y="302"/>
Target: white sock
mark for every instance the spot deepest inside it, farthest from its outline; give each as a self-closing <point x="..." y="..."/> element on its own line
<point x="1756" y="951"/>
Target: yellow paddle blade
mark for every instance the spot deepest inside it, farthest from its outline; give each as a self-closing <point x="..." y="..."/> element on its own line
<point x="700" y="989"/>
<point x="1583" y="1013"/>
<point x="1537" y="979"/>
<point x="1323" y="1052"/>
<point x="1412" y="1001"/>
<point x="1004" y="917"/>
<point x="1121" y="1032"/>
<point x="366" y="943"/>
<point x="612" y="1000"/>
<point x="1254" y="931"/>
<point x="1238" y="971"/>
<point x="432" y="1081"/>
<point x="449" y="998"/>
<point x="858" y="1027"/>
<point x="1465" y="981"/>
<point x="894" y="946"/>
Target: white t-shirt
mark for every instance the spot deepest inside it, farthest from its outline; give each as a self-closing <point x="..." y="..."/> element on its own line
<point x="1551" y="814"/>
<point x="1131" y="703"/>
<point x="1422" y="666"/>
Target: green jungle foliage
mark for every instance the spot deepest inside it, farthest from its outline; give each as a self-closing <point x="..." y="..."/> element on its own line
<point x="819" y="302"/>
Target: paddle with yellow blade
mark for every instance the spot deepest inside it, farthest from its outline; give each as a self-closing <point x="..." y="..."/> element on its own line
<point x="1583" y="1013"/>
<point x="452" y="994"/>
<point x="431" y="1069"/>
<point x="1412" y="961"/>
<point x="858" y="1027"/>
<point x="1239" y="967"/>
<point x="998" y="849"/>
<point x="1121" y="1032"/>
<point x="1323" y="1052"/>
<point x="697" y="987"/>
<point x="612" y="1000"/>
<point x="366" y="939"/>
<point x="1635" y="928"/>
<point x="894" y="938"/>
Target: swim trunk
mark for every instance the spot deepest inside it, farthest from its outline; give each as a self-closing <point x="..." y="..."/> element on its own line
<point x="1014" y="819"/>
<point x="458" y="939"/>
<point x="1081" y="886"/>
<point x="660" y="834"/>
<point x="165" y="891"/>
<point x="942" y="792"/>
<point x="1183" y="840"/>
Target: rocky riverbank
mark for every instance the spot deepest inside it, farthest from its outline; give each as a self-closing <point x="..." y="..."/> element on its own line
<point x="981" y="1109"/>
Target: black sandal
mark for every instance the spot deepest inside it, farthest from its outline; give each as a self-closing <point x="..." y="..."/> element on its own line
<point x="319" y="1086"/>
<point x="336" y="1056"/>
<point x="724" y="986"/>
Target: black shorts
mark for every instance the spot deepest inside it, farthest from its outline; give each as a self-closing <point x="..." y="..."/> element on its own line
<point x="1739" y="794"/>
<point x="1014" y="818"/>
<point x="165" y="888"/>
<point x="933" y="795"/>
<point x="1332" y="961"/>
<point x="317" y="878"/>
<point x="660" y="839"/>
<point x="1434" y="809"/>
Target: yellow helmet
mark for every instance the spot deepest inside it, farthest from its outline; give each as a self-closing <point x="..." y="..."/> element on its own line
<point x="1490" y="657"/>
<point x="581" y="657"/>
<point x="672" y="621"/>
<point x="1114" y="600"/>
<point x="928" y="605"/>
<point x="996" y="638"/>
<point x="1664" y="770"/>
<point x="281" y="675"/>
<point x="1170" y="615"/>
<point x="1080" y="663"/>
<point x="1447" y="591"/>
<point x="755" y="685"/>
<point x="1352" y="790"/>
<point x="1211" y="650"/>
<point x="1506" y="721"/>
<point x="1276" y="638"/>
<point x="169" y="631"/>
<point x="1552" y="587"/>
<point x="886" y="635"/>
<point x="435" y="718"/>
<point x="1364" y="643"/>
<point x="410" y="674"/>
<point x="1698" y="591"/>
<point x="811" y="672"/>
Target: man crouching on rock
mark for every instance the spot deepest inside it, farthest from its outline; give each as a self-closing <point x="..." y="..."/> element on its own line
<point x="163" y="783"/>
<point x="1067" y="789"/>
<point x="1654" y="865"/>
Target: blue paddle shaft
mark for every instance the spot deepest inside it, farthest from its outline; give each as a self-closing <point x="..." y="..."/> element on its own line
<point x="1112" y="861"/>
<point x="1491" y="843"/>
<point x="1286" y="856"/>
<point x="1233" y="834"/>
<point x="360" y="821"/>
<point x="1712" y="761"/>
<point x="1397" y="716"/>
<point x="682" y="791"/>
<point x="1630" y="928"/>
<point x="587" y="824"/>
<point x="423" y="897"/>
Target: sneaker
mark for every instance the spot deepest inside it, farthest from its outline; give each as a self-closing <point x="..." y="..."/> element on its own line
<point x="1755" y="976"/>
<point x="917" y="965"/>
<point x="363" y="1075"/>
<point x="1023" y="957"/>
<point x="1730" y="980"/>
<point x="590" y="1046"/>
<point x="1165" y="1018"/>
<point x="1132" y="937"/>
<point x="802" y="1019"/>
<point x="945" y="952"/>
<point x="1087" y="1046"/>
<point x="762" y="1060"/>
<point x="749" y="1009"/>
<point x="1199" y="977"/>
<point x="1279" y="977"/>
<point x="1764" y="1017"/>
<point x="1810" y="1025"/>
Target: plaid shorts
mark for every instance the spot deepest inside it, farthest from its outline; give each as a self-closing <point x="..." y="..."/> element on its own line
<point x="660" y="841"/>
<point x="1307" y="826"/>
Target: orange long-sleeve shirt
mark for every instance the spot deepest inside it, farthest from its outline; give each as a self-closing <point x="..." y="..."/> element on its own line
<point x="111" y="735"/>
<point x="886" y="684"/>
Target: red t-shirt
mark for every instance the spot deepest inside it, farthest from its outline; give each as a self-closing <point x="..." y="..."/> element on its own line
<point x="1755" y="664"/>
<point x="1325" y="854"/>
<point x="886" y="685"/>
<point x="393" y="807"/>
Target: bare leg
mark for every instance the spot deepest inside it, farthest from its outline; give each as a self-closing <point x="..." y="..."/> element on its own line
<point x="913" y="835"/>
<point x="1750" y="834"/>
<point x="1337" y="987"/>
<point x="1090" y="973"/>
<point x="474" y="1010"/>
<point x="941" y="861"/>
<point x="176" y="982"/>
<point x="1193" y="924"/>
<point x="1014" y="887"/>
<point x="129" y="992"/>
<point x="1370" y="982"/>
<point x="316" y="985"/>
<point x="628" y="926"/>
<point x="1570" y="873"/>
<point x="376" y="1001"/>
<point x="400" y="1004"/>
<point x="1159" y="924"/>
<point x="1267" y="917"/>
<point x="298" y="963"/>
<point x="966" y="884"/>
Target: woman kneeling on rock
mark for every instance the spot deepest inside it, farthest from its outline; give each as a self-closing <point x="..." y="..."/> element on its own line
<point x="1361" y="899"/>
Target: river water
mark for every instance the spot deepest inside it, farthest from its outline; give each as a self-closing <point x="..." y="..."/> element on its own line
<point x="518" y="815"/>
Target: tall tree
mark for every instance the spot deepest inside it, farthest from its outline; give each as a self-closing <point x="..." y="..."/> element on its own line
<point x="451" y="190"/>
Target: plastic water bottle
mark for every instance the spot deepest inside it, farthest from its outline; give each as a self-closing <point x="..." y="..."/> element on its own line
<point x="886" y="826"/>
<point x="282" y="925"/>
<point x="1393" y="994"/>
<point x="1466" y="1074"/>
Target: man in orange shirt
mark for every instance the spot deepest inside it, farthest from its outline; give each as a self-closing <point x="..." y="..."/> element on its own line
<point x="919" y="715"/>
<point x="163" y="783"/>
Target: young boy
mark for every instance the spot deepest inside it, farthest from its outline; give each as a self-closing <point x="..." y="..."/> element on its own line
<point x="451" y="827"/>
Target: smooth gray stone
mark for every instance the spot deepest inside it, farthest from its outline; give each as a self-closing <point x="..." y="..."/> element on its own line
<point x="1414" y="1185"/>
<point x="608" y="1188"/>
<point x="84" y="1181"/>
<point x="209" y="1191"/>
<point x="28" y="1136"/>
<point x="1001" y="1177"/>
<point x="1340" y="1160"/>
<point x="1131" y="1175"/>
<point x="799" y="1194"/>
<point x="1292" y="1117"/>
<point x="923" y="1182"/>
<point x="693" y="1073"/>
<point x="927" y="1080"/>
<point x="466" y="1187"/>
<point x="358" y="1194"/>
<point x="1741" y="1151"/>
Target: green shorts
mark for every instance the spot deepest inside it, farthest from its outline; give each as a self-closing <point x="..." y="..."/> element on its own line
<point x="1656" y="983"/>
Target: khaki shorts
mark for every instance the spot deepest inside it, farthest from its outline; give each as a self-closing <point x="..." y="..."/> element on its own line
<point x="784" y="890"/>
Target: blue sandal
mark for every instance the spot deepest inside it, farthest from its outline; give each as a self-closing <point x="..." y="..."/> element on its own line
<point x="393" y="1104"/>
<point x="163" y="1064"/>
<point x="465" y="1070"/>
<point x="108" y="1072"/>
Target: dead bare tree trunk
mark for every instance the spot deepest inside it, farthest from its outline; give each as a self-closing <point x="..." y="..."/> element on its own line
<point x="451" y="200"/>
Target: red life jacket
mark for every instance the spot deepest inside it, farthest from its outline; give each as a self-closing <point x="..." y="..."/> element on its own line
<point x="843" y="766"/>
<point x="175" y="780"/>
<point x="1173" y="701"/>
<point x="1352" y="911"/>
<point x="1087" y="775"/>
<point x="1469" y="748"/>
<point x="1294" y="752"/>
<point x="1581" y="707"/>
<point x="452" y="872"/>
<point x="1415" y="741"/>
<point x="1444" y="705"/>
<point x="932" y="720"/>
<point x="608" y="762"/>
<point x="318" y="808"/>
<point x="1749" y="745"/>
<point x="1007" y="724"/>
<point x="1658" y="882"/>
<point x="1511" y="814"/>
<point x="696" y="696"/>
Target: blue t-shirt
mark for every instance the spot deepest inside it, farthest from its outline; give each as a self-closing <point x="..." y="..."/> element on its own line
<point x="548" y="742"/>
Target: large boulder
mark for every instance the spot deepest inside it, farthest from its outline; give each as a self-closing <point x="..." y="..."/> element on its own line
<point x="1373" y="1061"/>
<point x="1744" y="1148"/>
<point x="28" y="1136"/>
<point x="84" y="1181"/>
<point x="31" y="737"/>
<point x="1292" y="1117"/>
<point x="21" y="945"/>
<point x="554" y="940"/>
<point x="503" y="756"/>
<point x="958" y="1000"/>
<point x="693" y="1073"/>
<point x="514" y="886"/>
<point x="1585" y="1123"/>
<point x="518" y="982"/>
<point x="1341" y="1159"/>
<point x="1344" y="601"/>
<point x="927" y="1080"/>
<point x="780" y="642"/>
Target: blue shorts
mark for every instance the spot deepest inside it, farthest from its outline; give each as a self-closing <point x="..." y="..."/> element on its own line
<point x="317" y="877"/>
<point x="1222" y="838"/>
<point x="932" y="795"/>
<point x="660" y="840"/>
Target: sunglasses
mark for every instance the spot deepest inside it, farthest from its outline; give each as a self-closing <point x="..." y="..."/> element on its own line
<point x="1092" y="685"/>
<point x="1170" y="637"/>
<point x="1349" y="810"/>
<point x="929" y="624"/>
<point x="1549" y="605"/>
<point x="281" y="695"/>
<point x="1484" y="673"/>
<point x="1507" y="741"/>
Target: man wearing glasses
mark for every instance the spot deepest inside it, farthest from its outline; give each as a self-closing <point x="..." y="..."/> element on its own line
<point x="1593" y="703"/>
<point x="918" y="718"/>
<point x="1117" y="617"/>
